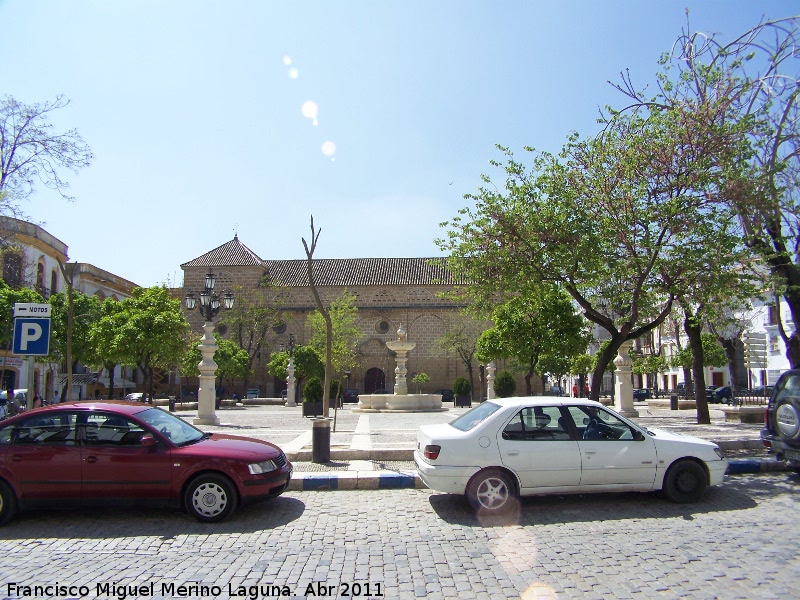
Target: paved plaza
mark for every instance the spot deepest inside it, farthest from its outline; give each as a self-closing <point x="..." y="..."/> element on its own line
<point x="741" y="541"/>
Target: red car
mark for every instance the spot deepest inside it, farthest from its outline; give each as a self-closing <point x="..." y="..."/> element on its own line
<point x="126" y="453"/>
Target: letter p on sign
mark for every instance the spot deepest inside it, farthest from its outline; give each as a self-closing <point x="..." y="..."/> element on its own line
<point x="31" y="337"/>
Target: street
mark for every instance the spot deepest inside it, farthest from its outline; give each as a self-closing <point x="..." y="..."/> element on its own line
<point x="742" y="541"/>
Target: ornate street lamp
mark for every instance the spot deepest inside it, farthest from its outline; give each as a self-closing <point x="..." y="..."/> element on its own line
<point x="208" y="307"/>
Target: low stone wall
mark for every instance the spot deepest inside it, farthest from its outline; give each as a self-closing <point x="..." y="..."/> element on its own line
<point x="744" y="414"/>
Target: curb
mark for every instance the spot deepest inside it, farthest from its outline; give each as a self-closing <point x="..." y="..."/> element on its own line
<point x="355" y="480"/>
<point x="397" y="454"/>
<point x="388" y="480"/>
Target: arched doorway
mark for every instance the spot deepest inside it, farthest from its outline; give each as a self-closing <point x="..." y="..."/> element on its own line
<point x="374" y="379"/>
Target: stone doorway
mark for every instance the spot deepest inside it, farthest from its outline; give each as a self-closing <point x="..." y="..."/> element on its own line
<point x="374" y="379"/>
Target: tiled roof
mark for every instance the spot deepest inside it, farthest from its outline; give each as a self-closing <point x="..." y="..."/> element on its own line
<point x="232" y="254"/>
<point x="332" y="271"/>
<point x="361" y="271"/>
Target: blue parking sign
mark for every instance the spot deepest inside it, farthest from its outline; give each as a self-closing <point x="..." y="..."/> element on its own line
<point x="31" y="337"/>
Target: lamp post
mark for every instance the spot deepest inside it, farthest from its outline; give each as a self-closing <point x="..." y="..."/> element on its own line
<point x="210" y="304"/>
<point x="290" y="380"/>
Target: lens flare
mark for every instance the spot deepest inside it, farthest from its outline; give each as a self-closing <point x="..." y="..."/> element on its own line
<point x="293" y="74"/>
<point x="309" y="110"/>
<point x="287" y="60"/>
<point x="329" y="149"/>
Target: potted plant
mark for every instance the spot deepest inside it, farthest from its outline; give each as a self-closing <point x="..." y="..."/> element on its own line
<point x="461" y="390"/>
<point x="312" y="398"/>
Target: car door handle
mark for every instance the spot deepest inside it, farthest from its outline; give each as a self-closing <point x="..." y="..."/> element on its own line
<point x="513" y="452"/>
<point x="91" y="459"/>
<point x="590" y="451"/>
<point x="16" y="458"/>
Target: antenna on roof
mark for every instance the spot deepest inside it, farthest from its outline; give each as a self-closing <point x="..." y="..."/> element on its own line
<point x="236" y="231"/>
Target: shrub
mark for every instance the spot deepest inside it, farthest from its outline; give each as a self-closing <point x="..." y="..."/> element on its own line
<point x="461" y="387"/>
<point x="312" y="392"/>
<point x="337" y="390"/>
<point x="504" y="384"/>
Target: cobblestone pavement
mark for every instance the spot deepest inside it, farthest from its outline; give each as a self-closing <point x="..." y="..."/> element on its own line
<point x="741" y="541"/>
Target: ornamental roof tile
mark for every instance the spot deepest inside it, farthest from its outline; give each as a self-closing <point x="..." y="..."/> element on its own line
<point x="232" y="254"/>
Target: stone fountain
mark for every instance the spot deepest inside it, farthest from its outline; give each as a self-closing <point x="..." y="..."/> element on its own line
<point x="401" y="400"/>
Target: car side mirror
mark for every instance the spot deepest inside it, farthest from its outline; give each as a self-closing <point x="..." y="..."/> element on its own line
<point x="148" y="441"/>
<point x="638" y="435"/>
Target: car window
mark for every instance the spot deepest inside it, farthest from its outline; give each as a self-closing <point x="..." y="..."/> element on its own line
<point x="787" y="386"/>
<point x="177" y="430"/>
<point x="49" y="429"/>
<point x="599" y="424"/>
<point x="472" y="418"/>
<point x="109" y="429"/>
<point x="537" y="423"/>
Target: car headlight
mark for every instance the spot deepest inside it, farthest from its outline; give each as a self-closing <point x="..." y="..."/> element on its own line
<point x="719" y="452"/>
<point x="262" y="467"/>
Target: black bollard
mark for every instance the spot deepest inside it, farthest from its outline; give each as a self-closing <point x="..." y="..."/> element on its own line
<point x="320" y="440"/>
<point x="673" y="402"/>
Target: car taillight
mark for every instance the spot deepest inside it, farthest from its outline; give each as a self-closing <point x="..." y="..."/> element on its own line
<point x="432" y="452"/>
<point x="766" y="417"/>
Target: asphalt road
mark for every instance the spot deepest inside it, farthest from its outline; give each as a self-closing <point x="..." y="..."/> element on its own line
<point x="741" y="541"/>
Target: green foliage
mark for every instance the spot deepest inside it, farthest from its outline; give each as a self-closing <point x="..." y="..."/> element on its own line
<point x="307" y="363"/>
<point x="713" y="354"/>
<point x="504" y="384"/>
<point x="337" y="389"/>
<point x="232" y="361"/>
<point x="461" y="387"/>
<point x="582" y="364"/>
<point x="9" y="297"/>
<point x="344" y="344"/>
<point x="312" y="392"/>
<point x="421" y="379"/>
<point x="86" y="314"/>
<point x="650" y="364"/>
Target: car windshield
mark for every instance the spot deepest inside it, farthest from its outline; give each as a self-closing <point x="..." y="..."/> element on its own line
<point x="472" y="418"/>
<point x="177" y="430"/>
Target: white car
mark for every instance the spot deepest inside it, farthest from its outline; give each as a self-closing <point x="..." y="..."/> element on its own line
<point x="527" y="446"/>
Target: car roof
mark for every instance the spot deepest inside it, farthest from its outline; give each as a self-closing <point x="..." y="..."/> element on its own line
<point x="118" y="406"/>
<point x="544" y="401"/>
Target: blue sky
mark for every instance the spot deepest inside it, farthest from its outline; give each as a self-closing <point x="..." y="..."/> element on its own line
<point x="194" y="112"/>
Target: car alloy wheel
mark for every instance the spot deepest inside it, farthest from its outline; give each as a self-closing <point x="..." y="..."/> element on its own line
<point x="210" y="498"/>
<point x="490" y="490"/>
<point x="685" y="481"/>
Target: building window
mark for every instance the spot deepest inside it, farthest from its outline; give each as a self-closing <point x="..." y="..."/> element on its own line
<point x="53" y="282"/>
<point x="382" y="326"/>
<point x="12" y="269"/>
<point x="774" y="345"/>
<point x="772" y="315"/>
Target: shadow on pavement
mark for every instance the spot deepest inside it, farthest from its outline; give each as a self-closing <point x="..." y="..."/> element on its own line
<point x="108" y="523"/>
<point x="741" y="493"/>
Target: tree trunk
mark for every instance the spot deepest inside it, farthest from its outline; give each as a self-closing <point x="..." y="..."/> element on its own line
<point x="693" y="329"/>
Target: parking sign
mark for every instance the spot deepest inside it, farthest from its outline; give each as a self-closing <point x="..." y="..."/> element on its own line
<point x="31" y="337"/>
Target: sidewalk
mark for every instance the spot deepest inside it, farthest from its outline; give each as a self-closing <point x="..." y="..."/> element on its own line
<point x="375" y="450"/>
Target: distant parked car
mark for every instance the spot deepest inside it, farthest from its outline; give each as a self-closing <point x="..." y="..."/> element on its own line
<point x="135" y="397"/>
<point x="350" y="396"/>
<point x="381" y="391"/>
<point x="253" y="393"/>
<point x="641" y="394"/>
<point x="710" y="397"/>
<point x="724" y="394"/>
<point x="447" y="395"/>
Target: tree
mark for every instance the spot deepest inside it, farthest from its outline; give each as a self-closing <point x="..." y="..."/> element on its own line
<point x="528" y="327"/>
<point x="86" y="312"/>
<point x="461" y="338"/>
<point x="754" y="80"/>
<point x="421" y="379"/>
<point x="107" y="349"/>
<point x="504" y="384"/>
<point x="250" y="322"/>
<point x="232" y="361"/>
<point x="8" y="298"/>
<point x="344" y="331"/>
<point x="147" y="330"/>
<point x="306" y="364"/>
<point x="325" y="315"/>
<point x="31" y="150"/>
